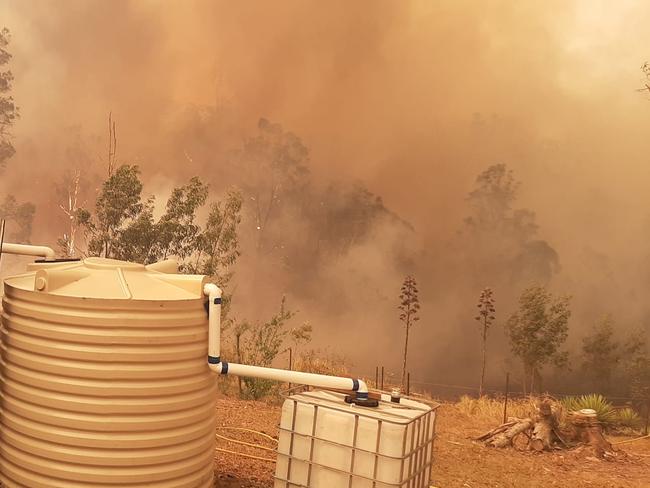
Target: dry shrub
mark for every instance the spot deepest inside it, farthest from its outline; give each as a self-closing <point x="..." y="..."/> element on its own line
<point x="321" y="362"/>
<point x="486" y="408"/>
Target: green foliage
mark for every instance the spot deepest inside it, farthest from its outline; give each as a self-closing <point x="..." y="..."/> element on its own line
<point x="604" y="409"/>
<point x="601" y="353"/>
<point x="21" y="215"/>
<point x="636" y="365"/>
<point x="119" y="204"/>
<point x="8" y="109"/>
<point x="136" y="240"/>
<point x="124" y="227"/>
<point x="538" y="330"/>
<point x="619" y="366"/>
<point x="217" y="247"/>
<point x="627" y="417"/>
<point x="176" y="233"/>
<point x="260" y="344"/>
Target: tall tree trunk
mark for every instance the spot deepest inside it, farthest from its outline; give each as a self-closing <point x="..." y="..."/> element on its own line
<point x="480" y="389"/>
<point x="406" y="346"/>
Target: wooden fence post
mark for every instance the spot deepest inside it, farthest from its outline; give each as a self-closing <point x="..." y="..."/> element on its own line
<point x="290" y="362"/>
<point x="647" y="417"/>
<point x="505" y="401"/>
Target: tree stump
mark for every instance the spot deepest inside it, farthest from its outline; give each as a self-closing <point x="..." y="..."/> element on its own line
<point x="588" y="430"/>
<point x="545" y="427"/>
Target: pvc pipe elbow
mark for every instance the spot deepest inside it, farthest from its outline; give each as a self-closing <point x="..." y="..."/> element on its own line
<point x="211" y="289"/>
<point x="217" y="368"/>
<point x="49" y="252"/>
<point x="28" y="250"/>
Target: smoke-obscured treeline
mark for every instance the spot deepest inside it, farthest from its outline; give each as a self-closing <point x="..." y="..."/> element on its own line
<point x="470" y="145"/>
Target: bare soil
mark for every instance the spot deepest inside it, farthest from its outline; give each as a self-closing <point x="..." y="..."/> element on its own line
<point x="234" y="471"/>
<point x="458" y="461"/>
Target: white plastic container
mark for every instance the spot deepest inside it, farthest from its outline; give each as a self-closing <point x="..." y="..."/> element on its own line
<point x="327" y="443"/>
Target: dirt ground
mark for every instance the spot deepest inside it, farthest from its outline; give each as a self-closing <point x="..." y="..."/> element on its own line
<point x="234" y="471"/>
<point x="458" y="461"/>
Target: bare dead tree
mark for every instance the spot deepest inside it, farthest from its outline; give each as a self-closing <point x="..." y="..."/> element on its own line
<point x="646" y="71"/>
<point x="69" y="208"/>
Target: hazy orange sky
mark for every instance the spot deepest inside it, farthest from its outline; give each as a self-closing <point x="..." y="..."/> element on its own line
<point x="382" y="91"/>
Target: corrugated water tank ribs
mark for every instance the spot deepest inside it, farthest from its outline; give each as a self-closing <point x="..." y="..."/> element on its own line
<point x="104" y="378"/>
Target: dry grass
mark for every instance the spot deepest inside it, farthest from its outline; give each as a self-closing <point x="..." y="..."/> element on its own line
<point x="321" y="361"/>
<point x="491" y="409"/>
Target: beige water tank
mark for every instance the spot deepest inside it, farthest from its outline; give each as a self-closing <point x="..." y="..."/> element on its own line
<point x="105" y="381"/>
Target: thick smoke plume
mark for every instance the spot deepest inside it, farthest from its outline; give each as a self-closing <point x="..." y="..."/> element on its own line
<point x="412" y="99"/>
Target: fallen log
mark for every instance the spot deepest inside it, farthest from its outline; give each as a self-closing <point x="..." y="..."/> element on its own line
<point x="496" y="430"/>
<point x="540" y="430"/>
<point x="506" y="438"/>
<point x="504" y="435"/>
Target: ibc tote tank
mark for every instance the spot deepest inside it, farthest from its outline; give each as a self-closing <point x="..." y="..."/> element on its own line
<point x="104" y="378"/>
<point x="326" y="442"/>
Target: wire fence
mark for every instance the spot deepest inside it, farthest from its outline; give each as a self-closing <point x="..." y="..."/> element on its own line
<point x="385" y="379"/>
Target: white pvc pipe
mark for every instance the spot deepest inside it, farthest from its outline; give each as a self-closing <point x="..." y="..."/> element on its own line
<point x="27" y="250"/>
<point x="286" y="376"/>
<point x="214" y="322"/>
<point x="214" y="358"/>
